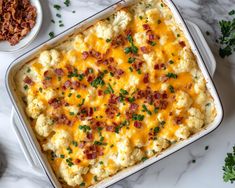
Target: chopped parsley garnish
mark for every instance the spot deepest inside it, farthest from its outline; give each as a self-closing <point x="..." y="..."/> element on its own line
<point x="40" y="89"/>
<point x="57" y="7"/>
<point x="78" y="96"/>
<point x="156" y="130"/>
<point x="138" y="117"/>
<point x="74" y="74"/>
<point x="98" y="81"/>
<point x="227" y="40"/>
<point x="108" y="40"/>
<point x="83" y="100"/>
<point x="67" y="3"/>
<point x="140" y="17"/>
<point x="26" y="87"/>
<point x="131" y="60"/>
<point x="171" y="62"/>
<point x="62" y="156"/>
<point x="145" y="109"/>
<point x="84" y="128"/>
<point x="109" y="90"/>
<point x="172" y="89"/>
<point x="69" y="162"/>
<point x="28" y="70"/>
<point x="131" y="69"/>
<point x="144" y="159"/>
<point x="98" y="143"/>
<point x="51" y="34"/>
<point x="123" y="92"/>
<point x="156" y="110"/>
<point x="101" y="162"/>
<point x="139" y="71"/>
<point x="229" y="167"/>
<point x="70" y="94"/>
<point x="152" y="43"/>
<point x="82" y="184"/>
<point x="131" y="99"/>
<point x="72" y="113"/>
<point x="75" y="143"/>
<point x="58" y="15"/>
<point x="162" y="123"/>
<point x="124" y="123"/>
<point x="69" y="150"/>
<point x="95" y="178"/>
<point x="132" y="49"/>
<point x="171" y="75"/>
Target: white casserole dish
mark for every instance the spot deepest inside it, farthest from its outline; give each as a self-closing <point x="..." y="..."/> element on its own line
<point x="14" y="67"/>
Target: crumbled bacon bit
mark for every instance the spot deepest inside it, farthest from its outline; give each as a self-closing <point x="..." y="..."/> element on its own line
<point x="89" y="136"/>
<point x="128" y="32"/>
<point x="113" y="99"/>
<point x="28" y="80"/>
<point x="133" y="107"/>
<point x="55" y="102"/>
<point x="111" y="110"/>
<point x="110" y="128"/>
<point x="146" y="27"/>
<point x="178" y="120"/>
<point x="164" y="95"/>
<point x="156" y="95"/>
<point x="59" y="72"/>
<point x="137" y="65"/>
<point x="164" y="78"/>
<point x="156" y="66"/>
<point x="81" y="144"/>
<point x="137" y="124"/>
<point x="85" y="55"/>
<point x="95" y="54"/>
<point x="77" y="161"/>
<point x="146" y="78"/>
<point x="100" y="92"/>
<point x="75" y="84"/>
<point x="144" y="49"/>
<point x="63" y="120"/>
<point x="118" y="41"/>
<point x="182" y="44"/>
<point x="17" y="19"/>
<point x="67" y="84"/>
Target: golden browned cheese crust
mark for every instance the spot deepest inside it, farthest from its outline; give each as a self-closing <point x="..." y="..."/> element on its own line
<point x="115" y="95"/>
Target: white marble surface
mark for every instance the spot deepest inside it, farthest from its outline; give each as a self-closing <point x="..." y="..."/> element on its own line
<point x="174" y="171"/>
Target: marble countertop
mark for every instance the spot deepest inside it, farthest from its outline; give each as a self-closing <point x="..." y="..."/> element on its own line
<point x="177" y="170"/>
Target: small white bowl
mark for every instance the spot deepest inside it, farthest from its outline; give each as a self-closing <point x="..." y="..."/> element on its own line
<point x="6" y="47"/>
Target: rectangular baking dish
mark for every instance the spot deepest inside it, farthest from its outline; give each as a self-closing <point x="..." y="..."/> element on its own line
<point x="17" y="103"/>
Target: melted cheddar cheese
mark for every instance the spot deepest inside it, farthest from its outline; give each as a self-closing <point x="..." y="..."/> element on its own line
<point x="116" y="94"/>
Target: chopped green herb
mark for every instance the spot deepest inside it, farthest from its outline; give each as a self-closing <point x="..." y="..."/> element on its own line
<point x="145" y="109"/>
<point x="156" y="110"/>
<point x="98" y="143"/>
<point x="156" y="130"/>
<point x="69" y="162"/>
<point x="229" y="167"/>
<point x="127" y="50"/>
<point x="26" y="87"/>
<point x="78" y="96"/>
<point x="131" y="69"/>
<point x="139" y="71"/>
<point x="132" y="49"/>
<point x="110" y="88"/>
<point x="131" y="60"/>
<point x="67" y="3"/>
<point x="40" y="89"/>
<point x="171" y="62"/>
<point x="52" y="35"/>
<point x="101" y="162"/>
<point x="162" y="5"/>
<point x="138" y="117"/>
<point x="172" y="89"/>
<point x="61" y="25"/>
<point x="152" y="43"/>
<point x="57" y="7"/>
<point x="171" y="75"/>
<point x="84" y="128"/>
<point x="82" y="184"/>
<point x="62" y="156"/>
<point x="108" y="40"/>
<point x="70" y="94"/>
<point x="140" y="17"/>
<point x="83" y="100"/>
<point x="123" y="92"/>
<point x="131" y="99"/>
<point x="75" y="143"/>
<point x="72" y="113"/>
<point x="98" y="81"/>
<point x="58" y="15"/>
<point x="28" y="70"/>
<point x="144" y="159"/>
<point x="232" y="12"/>
<point x="95" y="178"/>
<point x="162" y="123"/>
<point x="69" y="150"/>
<point x="111" y="146"/>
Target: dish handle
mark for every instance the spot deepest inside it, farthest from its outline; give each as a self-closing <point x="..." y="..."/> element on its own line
<point x="203" y="47"/>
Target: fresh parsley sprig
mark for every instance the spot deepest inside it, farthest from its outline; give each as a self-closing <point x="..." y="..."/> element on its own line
<point x="227" y="40"/>
<point x="229" y="167"/>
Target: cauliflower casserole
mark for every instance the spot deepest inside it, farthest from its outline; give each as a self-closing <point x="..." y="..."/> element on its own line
<point x="115" y="95"/>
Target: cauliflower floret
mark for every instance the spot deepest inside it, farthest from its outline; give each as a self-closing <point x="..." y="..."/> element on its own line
<point x="200" y="84"/>
<point x="79" y="43"/>
<point x="163" y="39"/>
<point x="201" y="98"/>
<point x="121" y="19"/>
<point x="104" y="30"/>
<point x="153" y="15"/>
<point x="43" y="125"/>
<point x="210" y="112"/>
<point x="183" y="100"/>
<point x="140" y="38"/>
<point x="49" y="58"/>
<point x="35" y="108"/>
<point x="58" y="141"/>
<point x="195" y="120"/>
<point x="164" y="87"/>
<point x="160" y="144"/>
<point x="160" y="117"/>
<point x="132" y="83"/>
<point x="183" y="132"/>
<point x="105" y="169"/>
<point x="49" y="94"/>
<point x="187" y="62"/>
<point x="72" y="175"/>
<point x="73" y="109"/>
